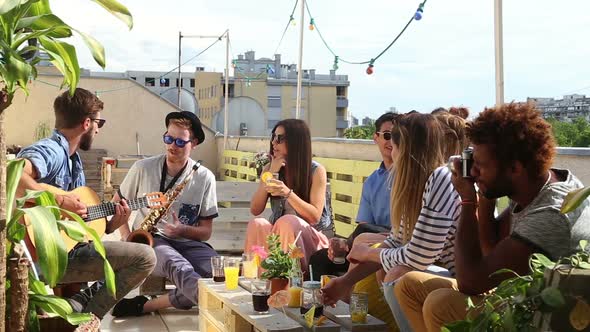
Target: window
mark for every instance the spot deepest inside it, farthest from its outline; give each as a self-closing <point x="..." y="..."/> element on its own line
<point x="150" y="81"/>
<point x="271" y="123"/>
<point x="301" y="113"/>
<point x="164" y="82"/>
<point x="274" y="113"/>
<point x="181" y="83"/>
<point x="192" y="82"/>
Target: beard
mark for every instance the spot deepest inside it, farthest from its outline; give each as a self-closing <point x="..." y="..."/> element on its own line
<point x="86" y="140"/>
<point x="501" y="187"/>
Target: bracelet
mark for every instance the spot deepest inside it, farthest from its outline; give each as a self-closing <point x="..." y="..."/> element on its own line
<point x="469" y="202"/>
<point x="289" y="194"/>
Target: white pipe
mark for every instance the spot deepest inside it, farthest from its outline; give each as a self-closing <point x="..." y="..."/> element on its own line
<point x="300" y="61"/>
<point x="226" y="101"/>
<point x="499" y="52"/>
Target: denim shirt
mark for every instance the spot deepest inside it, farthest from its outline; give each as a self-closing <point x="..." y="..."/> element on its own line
<point x="277" y="205"/>
<point x="50" y="157"/>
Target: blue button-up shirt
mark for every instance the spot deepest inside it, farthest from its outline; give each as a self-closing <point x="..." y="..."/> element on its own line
<point x="375" y="203"/>
<point x="50" y="157"/>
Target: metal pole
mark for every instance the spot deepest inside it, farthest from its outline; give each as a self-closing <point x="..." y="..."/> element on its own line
<point x="499" y="52"/>
<point x="226" y="101"/>
<point x="179" y="65"/>
<point x="300" y="62"/>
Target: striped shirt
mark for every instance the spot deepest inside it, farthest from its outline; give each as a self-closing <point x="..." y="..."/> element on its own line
<point x="434" y="233"/>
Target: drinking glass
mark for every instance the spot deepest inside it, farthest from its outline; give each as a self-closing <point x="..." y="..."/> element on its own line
<point x="217" y="268"/>
<point x="260" y="289"/>
<point x="231" y="267"/>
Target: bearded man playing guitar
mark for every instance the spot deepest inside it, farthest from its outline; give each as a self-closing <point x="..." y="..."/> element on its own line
<point x="55" y="161"/>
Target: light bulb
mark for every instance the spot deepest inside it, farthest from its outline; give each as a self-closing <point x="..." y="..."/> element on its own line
<point x="293" y="23"/>
<point x="370" y="70"/>
<point x="311" y="27"/>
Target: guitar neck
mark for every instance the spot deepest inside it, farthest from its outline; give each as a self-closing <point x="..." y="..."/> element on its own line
<point x="108" y="209"/>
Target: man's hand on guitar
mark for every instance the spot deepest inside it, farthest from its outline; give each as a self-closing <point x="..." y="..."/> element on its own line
<point x="122" y="214"/>
<point x="72" y="203"/>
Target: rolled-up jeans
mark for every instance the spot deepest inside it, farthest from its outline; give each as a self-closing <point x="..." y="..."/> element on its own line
<point x="398" y="314"/>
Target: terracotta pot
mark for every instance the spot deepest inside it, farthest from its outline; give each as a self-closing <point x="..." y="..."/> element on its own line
<point x="277" y="284"/>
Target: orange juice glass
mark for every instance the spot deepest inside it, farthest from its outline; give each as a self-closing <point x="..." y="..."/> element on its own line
<point x="294" y="297"/>
<point x="231" y="267"/>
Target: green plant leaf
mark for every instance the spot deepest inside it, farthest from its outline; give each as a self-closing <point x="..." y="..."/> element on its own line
<point x="51" y="250"/>
<point x="552" y="297"/>
<point x="573" y="199"/>
<point x="583" y="244"/>
<point x="584" y="265"/>
<point x="118" y="10"/>
<point x="77" y="318"/>
<point x="8" y="5"/>
<point x="51" y="304"/>
<point x="40" y="7"/>
<point x="58" y="28"/>
<point x="99" y="247"/>
<point x="36" y="286"/>
<point x="542" y="260"/>
<point x="16" y="230"/>
<point x="33" y="319"/>
<point x="95" y="48"/>
<point x="502" y="271"/>
<point x="72" y="229"/>
<point x="14" y="170"/>
<point x="67" y="53"/>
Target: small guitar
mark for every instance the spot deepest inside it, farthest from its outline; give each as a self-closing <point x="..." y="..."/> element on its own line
<point x="97" y="212"/>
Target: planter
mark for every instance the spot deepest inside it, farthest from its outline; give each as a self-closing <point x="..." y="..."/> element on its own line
<point x="277" y="284"/>
<point x="48" y="324"/>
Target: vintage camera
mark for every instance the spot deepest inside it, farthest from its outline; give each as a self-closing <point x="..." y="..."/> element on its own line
<point x="466" y="162"/>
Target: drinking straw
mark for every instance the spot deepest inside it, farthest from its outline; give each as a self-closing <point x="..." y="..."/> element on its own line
<point x="297" y="237"/>
<point x="310" y="272"/>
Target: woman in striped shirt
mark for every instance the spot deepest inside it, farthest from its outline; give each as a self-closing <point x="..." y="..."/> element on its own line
<point x="425" y="208"/>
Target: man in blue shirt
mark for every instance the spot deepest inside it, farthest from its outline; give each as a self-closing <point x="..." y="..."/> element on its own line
<point x="373" y="213"/>
<point x="55" y="161"/>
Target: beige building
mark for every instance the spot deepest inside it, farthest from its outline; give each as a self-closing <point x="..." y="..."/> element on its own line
<point x="135" y="116"/>
<point x="263" y="92"/>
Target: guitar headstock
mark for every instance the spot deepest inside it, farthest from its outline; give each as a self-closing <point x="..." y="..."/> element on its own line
<point x="156" y="200"/>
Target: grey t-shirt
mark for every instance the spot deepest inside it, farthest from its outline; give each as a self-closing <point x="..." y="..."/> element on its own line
<point x="197" y="201"/>
<point x="542" y="225"/>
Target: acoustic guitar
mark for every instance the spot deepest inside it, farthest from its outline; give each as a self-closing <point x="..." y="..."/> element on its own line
<point x="97" y="212"/>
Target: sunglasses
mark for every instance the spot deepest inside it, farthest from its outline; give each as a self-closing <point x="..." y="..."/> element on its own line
<point x="386" y="134"/>
<point x="100" y="122"/>
<point x="178" y="141"/>
<point x="279" y="138"/>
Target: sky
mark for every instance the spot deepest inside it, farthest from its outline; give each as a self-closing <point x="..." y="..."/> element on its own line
<point x="445" y="59"/>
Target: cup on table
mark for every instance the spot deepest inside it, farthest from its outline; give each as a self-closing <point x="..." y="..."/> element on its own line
<point x="339" y="249"/>
<point x="260" y="289"/>
<point x="217" y="268"/>
<point x="249" y="266"/>
<point x="231" y="268"/>
<point x="325" y="279"/>
<point x="359" y="307"/>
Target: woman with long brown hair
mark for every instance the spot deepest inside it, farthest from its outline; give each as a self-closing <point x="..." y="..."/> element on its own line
<point x="298" y="198"/>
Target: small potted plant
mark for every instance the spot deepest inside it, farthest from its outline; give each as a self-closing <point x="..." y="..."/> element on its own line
<point x="279" y="265"/>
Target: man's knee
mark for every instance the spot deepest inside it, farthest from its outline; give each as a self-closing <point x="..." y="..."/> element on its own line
<point x="145" y="258"/>
<point x="444" y="305"/>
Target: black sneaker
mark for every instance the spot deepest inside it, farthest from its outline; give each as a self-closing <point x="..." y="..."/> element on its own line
<point x="130" y="307"/>
<point x="80" y="300"/>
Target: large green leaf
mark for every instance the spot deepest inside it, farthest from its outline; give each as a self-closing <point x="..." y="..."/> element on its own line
<point x="51" y="249"/>
<point x="67" y="53"/>
<point x="51" y="304"/>
<point x="99" y="247"/>
<point x="40" y="7"/>
<point x="14" y="170"/>
<point x="118" y="10"/>
<point x="72" y="229"/>
<point x="36" y="286"/>
<point x="15" y="72"/>
<point x="77" y="318"/>
<point x="573" y="199"/>
<point x="43" y="22"/>
<point x="16" y="230"/>
<point x="95" y="48"/>
<point x="552" y="296"/>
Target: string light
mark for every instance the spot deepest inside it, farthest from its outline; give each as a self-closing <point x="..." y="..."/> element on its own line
<point x="370" y="68"/>
<point x="311" y="24"/>
<point x="335" y="66"/>
<point x="419" y="12"/>
<point x="233" y="63"/>
<point x="292" y="20"/>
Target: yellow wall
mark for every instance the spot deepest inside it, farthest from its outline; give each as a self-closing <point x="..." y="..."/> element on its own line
<point x="131" y="111"/>
<point x="208" y="106"/>
<point x="322" y="120"/>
